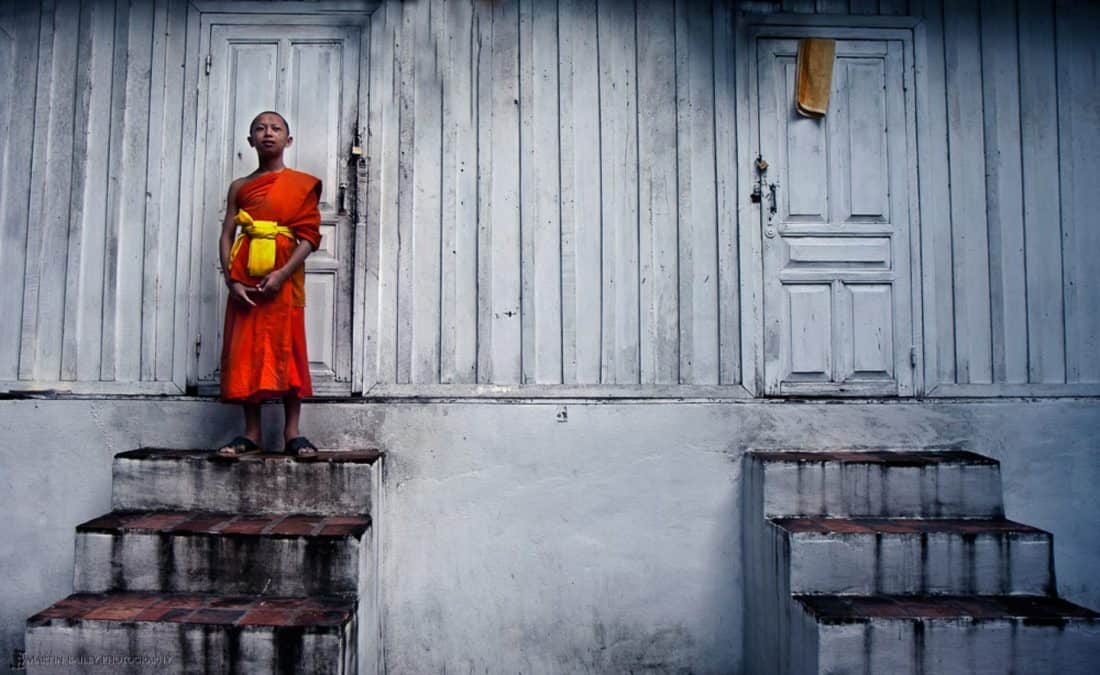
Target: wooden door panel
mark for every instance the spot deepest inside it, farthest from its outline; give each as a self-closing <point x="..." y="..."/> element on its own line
<point x="310" y="73"/>
<point x="836" y="266"/>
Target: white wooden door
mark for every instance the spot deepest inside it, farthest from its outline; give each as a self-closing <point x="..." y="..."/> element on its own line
<point x="309" y="73"/>
<point x="835" y="223"/>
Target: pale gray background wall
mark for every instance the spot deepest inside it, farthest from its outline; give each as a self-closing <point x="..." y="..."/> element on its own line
<point x="517" y="542"/>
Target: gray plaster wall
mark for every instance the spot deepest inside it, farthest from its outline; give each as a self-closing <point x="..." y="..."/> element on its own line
<point x="548" y="536"/>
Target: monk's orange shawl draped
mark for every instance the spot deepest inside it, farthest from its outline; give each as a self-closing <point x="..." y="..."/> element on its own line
<point x="264" y="347"/>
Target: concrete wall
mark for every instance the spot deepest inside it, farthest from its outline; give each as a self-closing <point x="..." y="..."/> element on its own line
<point x="548" y="537"/>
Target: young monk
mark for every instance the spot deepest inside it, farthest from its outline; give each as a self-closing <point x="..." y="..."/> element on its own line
<point x="264" y="346"/>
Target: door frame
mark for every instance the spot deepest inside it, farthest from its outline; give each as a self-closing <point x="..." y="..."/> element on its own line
<point x="911" y="32"/>
<point x="201" y="16"/>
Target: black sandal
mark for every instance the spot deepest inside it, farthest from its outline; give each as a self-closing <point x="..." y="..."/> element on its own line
<point x="239" y="447"/>
<point x="300" y="447"/>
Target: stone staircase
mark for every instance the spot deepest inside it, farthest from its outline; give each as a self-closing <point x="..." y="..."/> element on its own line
<point x="899" y="562"/>
<point x="260" y="565"/>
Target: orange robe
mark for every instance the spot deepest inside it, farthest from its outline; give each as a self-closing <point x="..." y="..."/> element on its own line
<point x="264" y="347"/>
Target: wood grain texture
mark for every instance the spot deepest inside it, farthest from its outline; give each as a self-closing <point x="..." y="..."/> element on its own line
<point x="1079" y="169"/>
<point x="974" y="360"/>
<point x="1041" y="206"/>
<point x="619" y="178"/>
<point x="697" y="200"/>
<point x="728" y="197"/>
<point x="551" y="194"/>
<point x="20" y="54"/>
<point x="581" y="193"/>
<point x="1004" y="188"/>
<point x="932" y="163"/>
<point x="540" y="216"/>
<point x="657" y="196"/>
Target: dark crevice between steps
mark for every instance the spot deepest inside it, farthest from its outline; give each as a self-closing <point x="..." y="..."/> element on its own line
<point x="118" y="576"/>
<point x="166" y="562"/>
<point x="288" y="649"/>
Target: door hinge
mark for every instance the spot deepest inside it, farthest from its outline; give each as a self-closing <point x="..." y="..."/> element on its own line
<point x="198" y="345"/>
<point x="209" y="63"/>
<point x="912" y="357"/>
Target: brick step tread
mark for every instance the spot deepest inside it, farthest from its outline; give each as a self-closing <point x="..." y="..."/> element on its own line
<point x="862" y="608"/>
<point x="887" y="458"/>
<point x="222" y="524"/>
<point x="861" y="525"/>
<point x="357" y="456"/>
<point x="317" y="612"/>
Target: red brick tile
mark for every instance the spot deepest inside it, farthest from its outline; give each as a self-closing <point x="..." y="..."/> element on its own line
<point x="158" y="521"/>
<point x="232" y="602"/>
<point x="347" y="520"/>
<point x="221" y="616"/>
<point x="340" y="531"/>
<point x="203" y="523"/>
<point x="178" y="615"/>
<point x="315" y="617"/>
<point x="323" y="603"/>
<point x="182" y="601"/>
<point x="279" y="603"/>
<point x="268" y="617"/>
<point x="296" y="525"/>
<point x="131" y="601"/>
<point x="113" y="613"/>
<point x="108" y="522"/>
<point x="154" y="613"/>
<point x="58" y="613"/>
<point x="248" y="525"/>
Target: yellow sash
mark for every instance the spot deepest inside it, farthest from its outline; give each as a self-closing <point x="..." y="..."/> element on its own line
<point x="261" y="250"/>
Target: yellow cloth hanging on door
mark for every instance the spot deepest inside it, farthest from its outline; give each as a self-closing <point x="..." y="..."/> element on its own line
<point x="814" y="76"/>
<point x="261" y="250"/>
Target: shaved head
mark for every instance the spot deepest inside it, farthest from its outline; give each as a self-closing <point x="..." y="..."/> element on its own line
<point x="286" y="124"/>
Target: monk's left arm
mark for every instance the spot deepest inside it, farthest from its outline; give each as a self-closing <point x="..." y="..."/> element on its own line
<point x="274" y="280"/>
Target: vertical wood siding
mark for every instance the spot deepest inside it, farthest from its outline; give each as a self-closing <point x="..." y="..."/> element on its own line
<point x="90" y="191"/>
<point x="551" y="193"/>
<point x="563" y="172"/>
<point x="1009" y="228"/>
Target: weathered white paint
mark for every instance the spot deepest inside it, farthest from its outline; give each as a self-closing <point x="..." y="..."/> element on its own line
<point x="310" y="71"/>
<point x="548" y="194"/>
<point x="516" y="541"/>
<point x="786" y="568"/>
<point x="195" y="484"/>
<point x="837" y="317"/>
<point x="225" y="565"/>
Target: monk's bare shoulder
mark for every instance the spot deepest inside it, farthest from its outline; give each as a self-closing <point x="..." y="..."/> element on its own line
<point x="234" y="188"/>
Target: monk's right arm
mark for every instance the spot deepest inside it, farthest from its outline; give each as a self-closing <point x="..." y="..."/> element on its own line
<point x="237" y="290"/>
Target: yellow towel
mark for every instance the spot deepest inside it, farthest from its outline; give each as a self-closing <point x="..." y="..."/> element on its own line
<point x="814" y="76"/>
<point x="261" y="250"/>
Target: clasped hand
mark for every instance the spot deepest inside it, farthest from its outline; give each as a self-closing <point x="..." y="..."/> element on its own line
<point x="268" y="287"/>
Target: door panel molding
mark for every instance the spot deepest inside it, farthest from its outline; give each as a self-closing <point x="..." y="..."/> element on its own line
<point x="322" y="37"/>
<point x="867" y="268"/>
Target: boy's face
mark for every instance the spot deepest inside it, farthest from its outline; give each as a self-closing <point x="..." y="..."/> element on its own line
<point x="269" y="136"/>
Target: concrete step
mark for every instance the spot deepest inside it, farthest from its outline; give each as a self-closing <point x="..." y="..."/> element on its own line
<point x="916" y="556"/>
<point x="931" y="635"/>
<point x="920" y="484"/>
<point x="167" y="634"/>
<point x="335" y="482"/>
<point x="201" y="552"/>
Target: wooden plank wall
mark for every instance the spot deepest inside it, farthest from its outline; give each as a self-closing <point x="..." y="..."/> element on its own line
<point x="552" y="188"/>
<point x="89" y="194"/>
<point x="1009" y="234"/>
<point x="551" y="193"/>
